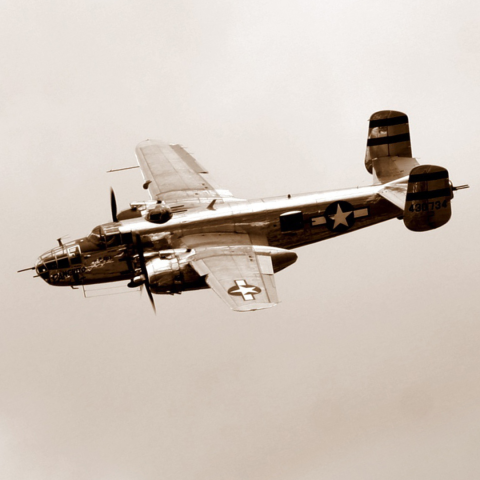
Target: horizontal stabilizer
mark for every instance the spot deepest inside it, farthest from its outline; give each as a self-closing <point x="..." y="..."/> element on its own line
<point x="395" y="192"/>
<point x="428" y="198"/>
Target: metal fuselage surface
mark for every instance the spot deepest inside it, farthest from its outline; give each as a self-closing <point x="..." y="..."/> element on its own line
<point x="287" y="222"/>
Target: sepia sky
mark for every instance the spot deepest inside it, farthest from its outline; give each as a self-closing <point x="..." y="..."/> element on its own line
<point x="370" y="366"/>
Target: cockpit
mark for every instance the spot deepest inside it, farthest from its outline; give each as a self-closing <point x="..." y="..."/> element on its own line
<point x="105" y="236"/>
<point x="96" y="236"/>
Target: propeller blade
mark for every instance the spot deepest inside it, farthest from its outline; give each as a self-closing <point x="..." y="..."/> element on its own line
<point x="113" y="204"/>
<point x="150" y="296"/>
<point x="143" y="266"/>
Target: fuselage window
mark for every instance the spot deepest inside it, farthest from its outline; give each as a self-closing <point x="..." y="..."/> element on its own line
<point x="76" y="260"/>
<point x="41" y="269"/>
<point x="291" y="221"/>
<point x="63" y="262"/>
<point x="74" y="254"/>
<point x="51" y="265"/>
<point x="112" y="240"/>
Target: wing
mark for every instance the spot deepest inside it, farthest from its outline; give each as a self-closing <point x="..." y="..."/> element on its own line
<point x="241" y="275"/>
<point x="172" y="175"/>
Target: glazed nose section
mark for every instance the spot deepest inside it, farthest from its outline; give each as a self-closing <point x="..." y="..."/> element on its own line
<point x="45" y="264"/>
<point x="41" y="269"/>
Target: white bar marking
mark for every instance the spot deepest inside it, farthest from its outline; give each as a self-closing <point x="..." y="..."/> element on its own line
<point x="362" y="212"/>
<point x="318" y="221"/>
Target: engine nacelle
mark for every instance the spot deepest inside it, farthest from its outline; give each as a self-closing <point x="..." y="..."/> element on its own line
<point x="169" y="272"/>
<point x="157" y="241"/>
<point x="281" y="258"/>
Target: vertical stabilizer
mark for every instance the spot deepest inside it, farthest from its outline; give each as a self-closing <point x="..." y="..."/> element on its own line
<point x="429" y="193"/>
<point x="389" y="152"/>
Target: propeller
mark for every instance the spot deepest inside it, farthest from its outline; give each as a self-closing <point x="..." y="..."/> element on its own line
<point x="113" y="204"/>
<point x="143" y="266"/>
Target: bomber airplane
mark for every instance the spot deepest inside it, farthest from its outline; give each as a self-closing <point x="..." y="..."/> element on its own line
<point x="193" y="234"/>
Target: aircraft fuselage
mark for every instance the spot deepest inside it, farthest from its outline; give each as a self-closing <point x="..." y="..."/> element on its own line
<point x="286" y="222"/>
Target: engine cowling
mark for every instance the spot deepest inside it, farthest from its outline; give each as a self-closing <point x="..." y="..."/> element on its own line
<point x="169" y="272"/>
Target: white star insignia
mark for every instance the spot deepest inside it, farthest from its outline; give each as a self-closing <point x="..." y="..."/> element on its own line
<point x="340" y="217"/>
<point x="244" y="290"/>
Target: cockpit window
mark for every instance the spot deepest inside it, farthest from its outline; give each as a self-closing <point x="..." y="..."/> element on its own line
<point x="74" y="255"/>
<point x="111" y="235"/>
<point x="105" y="236"/>
<point x="113" y="240"/>
<point x="96" y="236"/>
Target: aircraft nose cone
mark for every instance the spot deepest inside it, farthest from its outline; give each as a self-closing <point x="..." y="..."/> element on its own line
<point x="46" y="263"/>
<point x="41" y="269"/>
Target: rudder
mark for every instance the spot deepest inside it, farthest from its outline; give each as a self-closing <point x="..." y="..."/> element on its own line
<point x="389" y="151"/>
<point x="428" y="198"/>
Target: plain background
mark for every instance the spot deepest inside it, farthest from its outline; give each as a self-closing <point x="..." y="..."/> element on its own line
<point x="370" y="366"/>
